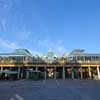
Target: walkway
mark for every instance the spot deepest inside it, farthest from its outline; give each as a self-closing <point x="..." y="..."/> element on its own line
<point x="50" y="90"/>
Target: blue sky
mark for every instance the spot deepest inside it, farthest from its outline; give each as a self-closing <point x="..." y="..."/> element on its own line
<point x="38" y="25"/>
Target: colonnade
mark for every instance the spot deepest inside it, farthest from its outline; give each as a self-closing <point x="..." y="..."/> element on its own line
<point x="10" y="72"/>
<point x="72" y="75"/>
<point x="64" y="68"/>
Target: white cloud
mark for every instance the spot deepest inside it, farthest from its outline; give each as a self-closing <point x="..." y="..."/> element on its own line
<point x="7" y="9"/>
<point x="60" y="49"/>
<point x="37" y="53"/>
<point x="25" y="35"/>
<point x="3" y="24"/>
<point x="40" y="46"/>
<point x="7" y="44"/>
<point x="57" y="46"/>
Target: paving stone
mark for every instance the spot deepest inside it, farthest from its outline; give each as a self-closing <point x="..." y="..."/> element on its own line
<point x="50" y="90"/>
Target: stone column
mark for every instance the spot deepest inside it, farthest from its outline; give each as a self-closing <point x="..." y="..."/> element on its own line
<point x="98" y="72"/>
<point x="89" y="71"/>
<point x="36" y="69"/>
<point x="72" y="73"/>
<point x="55" y="72"/>
<point x="1" y="69"/>
<point x="21" y="72"/>
<point x="27" y="75"/>
<point x="18" y="72"/>
<point x="63" y="72"/>
<point x="45" y="72"/>
<point x="81" y="73"/>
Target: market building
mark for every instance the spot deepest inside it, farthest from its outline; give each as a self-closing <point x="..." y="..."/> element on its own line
<point x="76" y="65"/>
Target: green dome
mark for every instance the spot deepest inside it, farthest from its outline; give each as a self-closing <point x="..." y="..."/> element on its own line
<point x="50" y="54"/>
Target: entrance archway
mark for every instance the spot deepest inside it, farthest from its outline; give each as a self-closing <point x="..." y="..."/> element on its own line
<point x="50" y="72"/>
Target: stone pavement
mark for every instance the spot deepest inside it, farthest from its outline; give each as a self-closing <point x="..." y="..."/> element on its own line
<point x="50" y="90"/>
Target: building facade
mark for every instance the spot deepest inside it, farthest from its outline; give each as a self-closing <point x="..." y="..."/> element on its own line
<point x="76" y="65"/>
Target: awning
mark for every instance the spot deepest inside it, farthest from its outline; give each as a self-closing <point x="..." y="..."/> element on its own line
<point x="34" y="71"/>
<point x="10" y="72"/>
<point x="0" y="72"/>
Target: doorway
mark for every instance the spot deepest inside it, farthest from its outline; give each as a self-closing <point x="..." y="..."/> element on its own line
<point x="50" y="73"/>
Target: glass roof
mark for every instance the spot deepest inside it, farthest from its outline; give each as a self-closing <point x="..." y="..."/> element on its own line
<point x="50" y="54"/>
<point x="18" y="52"/>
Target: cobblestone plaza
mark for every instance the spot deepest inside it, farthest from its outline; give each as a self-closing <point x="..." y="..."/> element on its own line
<point x="50" y="90"/>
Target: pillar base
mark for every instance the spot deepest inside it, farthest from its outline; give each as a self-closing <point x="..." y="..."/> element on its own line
<point x="64" y="73"/>
<point x="99" y="77"/>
